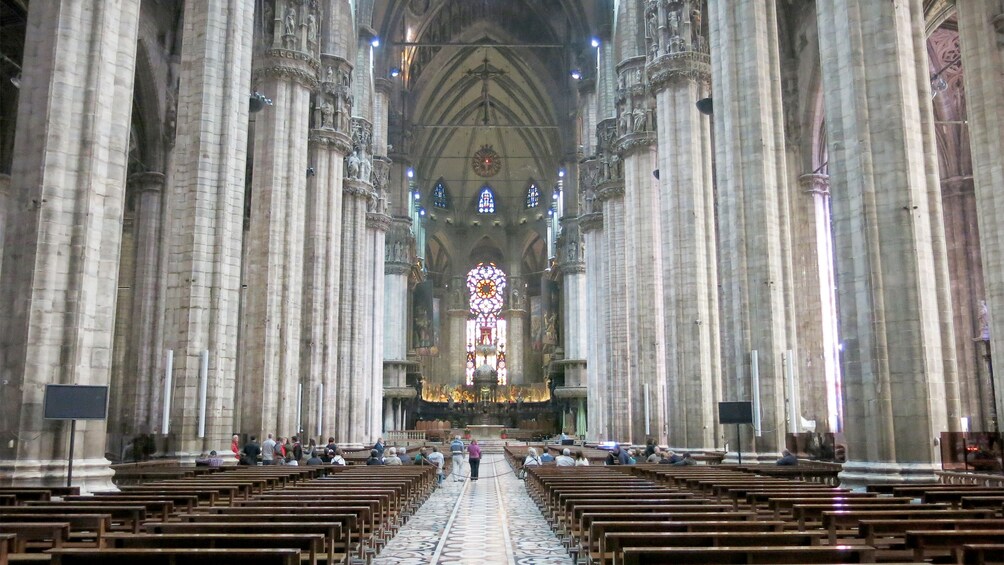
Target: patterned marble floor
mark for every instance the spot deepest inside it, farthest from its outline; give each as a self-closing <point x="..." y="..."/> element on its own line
<point x="485" y="522"/>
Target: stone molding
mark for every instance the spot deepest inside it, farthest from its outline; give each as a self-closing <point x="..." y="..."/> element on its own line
<point x="667" y="69"/>
<point x="396" y="268"/>
<point x="631" y="79"/>
<point x="356" y="187"/>
<point x="285" y="64"/>
<point x="377" y="221"/>
<point x="637" y="140"/>
<point x="954" y="187"/>
<point x="516" y="313"/>
<point x="573" y="267"/>
<point x="338" y="140"/>
<point x="609" y="190"/>
<point x="383" y="85"/>
<point x="571" y="392"/>
<point x="147" y="182"/>
<point x="591" y="222"/>
<point x="403" y="392"/>
<point x="815" y="183"/>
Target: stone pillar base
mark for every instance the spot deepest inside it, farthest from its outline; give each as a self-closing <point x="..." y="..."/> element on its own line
<point x="859" y="474"/>
<point x="89" y="474"/>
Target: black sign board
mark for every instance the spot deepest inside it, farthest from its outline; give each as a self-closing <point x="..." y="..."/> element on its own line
<point x="75" y="402"/>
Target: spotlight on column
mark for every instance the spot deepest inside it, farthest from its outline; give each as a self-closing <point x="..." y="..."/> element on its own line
<point x="655" y="174"/>
<point x="561" y="173"/>
<point x="395" y="72"/>
<point x="258" y="102"/>
<point x="594" y="41"/>
<point x="576" y="74"/>
<point x="705" y="106"/>
<point x="375" y="42"/>
<point x="16" y="81"/>
<point x="311" y="172"/>
<point x="411" y="173"/>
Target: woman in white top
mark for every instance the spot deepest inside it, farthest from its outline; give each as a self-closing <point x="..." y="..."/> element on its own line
<point x="580" y="459"/>
<point x="531" y="458"/>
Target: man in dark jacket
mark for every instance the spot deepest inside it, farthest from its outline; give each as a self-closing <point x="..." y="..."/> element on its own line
<point x="250" y="452"/>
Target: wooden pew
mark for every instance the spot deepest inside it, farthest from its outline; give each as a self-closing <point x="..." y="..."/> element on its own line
<point x="803" y="513"/>
<point x="349" y="523"/>
<point x="982" y="554"/>
<point x="614" y="543"/>
<point x="161" y="508"/>
<point x="768" y="555"/>
<point x="332" y="531"/>
<point x="52" y="534"/>
<point x="922" y="541"/>
<point x="878" y="532"/>
<point x="85" y="529"/>
<point x="834" y="521"/>
<point x="597" y="529"/>
<point x="581" y="538"/>
<point x="154" y="556"/>
<point x="308" y="544"/>
<point x="181" y="502"/>
<point x="6" y="541"/>
<point x="128" y="518"/>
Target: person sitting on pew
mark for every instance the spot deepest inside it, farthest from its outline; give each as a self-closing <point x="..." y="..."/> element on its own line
<point x="787" y="458"/>
<point x="670" y="458"/>
<point x="687" y="459"/>
<point x="315" y="458"/>
<point x="214" y="459"/>
<point x="290" y="460"/>
<point x="546" y="457"/>
<point x="374" y="458"/>
<point x="617" y="457"/>
<point x="565" y="459"/>
<point x="336" y="457"/>
<point x="392" y="458"/>
<point x="656" y="456"/>
<point x="531" y="457"/>
<point x="402" y="454"/>
<point x="202" y="460"/>
<point x="580" y="459"/>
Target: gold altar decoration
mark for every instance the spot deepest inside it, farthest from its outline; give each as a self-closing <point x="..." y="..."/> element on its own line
<point x="538" y="392"/>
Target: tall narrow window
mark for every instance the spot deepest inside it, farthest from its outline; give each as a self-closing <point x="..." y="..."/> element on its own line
<point x="439" y="199"/>
<point x="532" y="196"/>
<point x="486" y="200"/>
<point x="486" y="329"/>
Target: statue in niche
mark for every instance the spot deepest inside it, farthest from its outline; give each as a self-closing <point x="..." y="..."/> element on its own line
<point x="352" y="164"/>
<point x="651" y="25"/>
<point x="697" y="39"/>
<point x="572" y="251"/>
<point x="673" y="21"/>
<point x="268" y="20"/>
<point x="624" y="123"/>
<point x="640" y="119"/>
<point x="327" y="114"/>
<point x="364" y="168"/>
<point x="311" y="28"/>
<point x="329" y="75"/>
<point x="289" y="28"/>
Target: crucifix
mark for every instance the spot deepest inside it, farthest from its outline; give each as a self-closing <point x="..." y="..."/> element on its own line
<point x="484" y="74"/>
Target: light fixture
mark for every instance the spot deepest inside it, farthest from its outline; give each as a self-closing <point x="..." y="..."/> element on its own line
<point x="258" y="102"/>
<point x="595" y="41"/>
<point x="395" y="72"/>
<point x="705" y="106"/>
<point x="311" y="172"/>
<point x="561" y="173"/>
<point x="554" y="195"/>
<point x="16" y="81"/>
<point x="421" y="211"/>
<point x="411" y="173"/>
<point x="375" y="42"/>
<point x="417" y="195"/>
<point x="576" y="74"/>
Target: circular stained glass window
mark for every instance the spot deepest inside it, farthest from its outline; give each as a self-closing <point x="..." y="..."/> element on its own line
<point x="486" y="282"/>
<point x="486" y="162"/>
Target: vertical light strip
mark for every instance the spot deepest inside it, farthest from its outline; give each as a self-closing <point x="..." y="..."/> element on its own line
<point x="165" y="423"/>
<point x="203" y="388"/>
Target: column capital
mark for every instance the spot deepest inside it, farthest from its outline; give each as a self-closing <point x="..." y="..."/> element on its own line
<point x="377" y="221"/>
<point x="146" y="182"/>
<point x="337" y="140"/>
<point x="286" y="64"/>
<point x="591" y="222"/>
<point x="687" y="66"/>
<point x="815" y="183"/>
<point x="631" y="78"/>
<point x="395" y="268"/>
<point x="356" y="187"/>
<point x="636" y="140"/>
<point x="383" y="85"/>
<point x="610" y="190"/>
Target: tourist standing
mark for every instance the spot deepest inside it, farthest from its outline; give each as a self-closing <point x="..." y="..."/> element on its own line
<point x="439" y="461"/>
<point x="457" y="450"/>
<point x="474" y="457"/>
<point x="268" y="451"/>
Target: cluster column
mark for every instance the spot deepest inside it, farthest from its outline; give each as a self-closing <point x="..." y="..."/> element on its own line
<point x="981" y="32"/>
<point x="898" y="359"/>
<point x="752" y="213"/>
<point x="286" y="69"/>
<point x="329" y="143"/>
<point x="679" y="74"/>
<point x="64" y="228"/>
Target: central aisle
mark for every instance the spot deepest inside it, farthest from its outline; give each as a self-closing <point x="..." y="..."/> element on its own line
<point x="485" y="522"/>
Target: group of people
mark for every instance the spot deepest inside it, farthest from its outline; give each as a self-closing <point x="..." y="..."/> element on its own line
<point x="285" y="451"/>
<point x="563" y="458"/>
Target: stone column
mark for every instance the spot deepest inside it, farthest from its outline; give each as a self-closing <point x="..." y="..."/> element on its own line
<point x="571" y="261"/>
<point x="329" y="143"/>
<point x="205" y="220"/>
<point x="595" y="257"/>
<point x="516" y="329"/>
<point x="752" y="205"/>
<point x="377" y="224"/>
<point x="398" y="261"/>
<point x="4" y="206"/>
<point x="981" y="32"/>
<point x="817" y="307"/>
<point x="679" y="73"/>
<point x="636" y="144"/>
<point x="63" y="230"/>
<point x="898" y="359"/>
<point x="145" y="311"/>
<point x="287" y="70"/>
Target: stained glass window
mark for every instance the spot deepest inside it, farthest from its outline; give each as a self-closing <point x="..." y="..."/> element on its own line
<point x="486" y="200"/>
<point x="486" y="283"/>
<point x="439" y="199"/>
<point x="532" y="196"/>
<point x="486" y="335"/>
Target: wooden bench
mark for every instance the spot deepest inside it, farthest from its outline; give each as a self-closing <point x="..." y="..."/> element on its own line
<point x="154" y="556"/>
<point x="127" y="518"/>
<point x="51" y="534"/>
<point x="982" y="554"/>
<point x="6" y="541"/>
<point x="614" y="543"/>
<point x="834" y="521"/>
<point x="922" y="541"/>
<point x="803" y="513"/>
<point x="332" y="531"/>
<point x="85" y="529"/>
<point x="873" y="531"/>
<point x="154" y="508"/>
<point x="181" y="502"/>
<point x="308" y="544"/>
<point x="597" y="529"/>
<point x="767" y="555"/>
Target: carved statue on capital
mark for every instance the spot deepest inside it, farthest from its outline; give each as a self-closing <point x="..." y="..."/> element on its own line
<point x="458" y="298"/>
<point x="352" y="164"/>
<point x="324" y="113"/>
<point x="674" y="26"/>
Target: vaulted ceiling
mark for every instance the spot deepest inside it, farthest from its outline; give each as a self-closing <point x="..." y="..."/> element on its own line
<point x="488" y="72"/>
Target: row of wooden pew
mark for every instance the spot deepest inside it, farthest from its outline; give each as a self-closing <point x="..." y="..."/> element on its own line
<point x="248" y="515"/>
<point x="723" y="514"/>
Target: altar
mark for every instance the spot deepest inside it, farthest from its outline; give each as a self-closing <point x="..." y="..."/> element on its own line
<point x="486" y="431"/>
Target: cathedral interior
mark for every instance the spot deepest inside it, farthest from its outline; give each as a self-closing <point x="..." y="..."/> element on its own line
<point x="356" y="218"/>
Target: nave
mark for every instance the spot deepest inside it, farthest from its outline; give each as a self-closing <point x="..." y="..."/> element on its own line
<point x="489" y="521"/>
